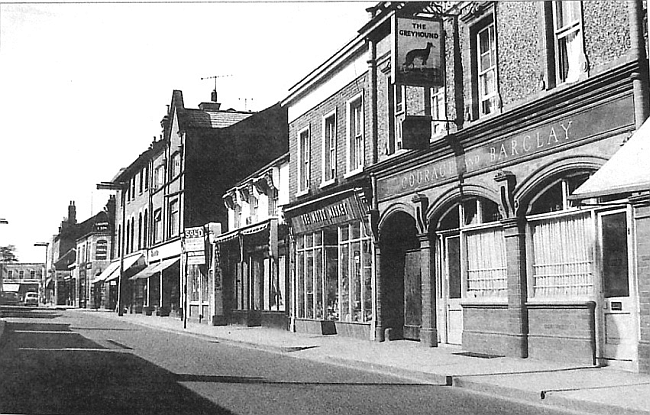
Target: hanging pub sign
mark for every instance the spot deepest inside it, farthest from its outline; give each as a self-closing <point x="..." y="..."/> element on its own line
<point x="417" y="52"/>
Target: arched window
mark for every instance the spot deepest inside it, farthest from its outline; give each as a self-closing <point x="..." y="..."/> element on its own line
<point x="473" y="270"/>
<point x="562" y="241"/>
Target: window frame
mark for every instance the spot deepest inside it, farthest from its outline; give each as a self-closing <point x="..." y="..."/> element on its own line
<point x="174" y="218"/>
<point x="304" y="160"/>
<point x="175" y="165"/>
<point x="438" y="112"/>
<point x="157" y="226"/>
<point x="560" y="34"/>
<point x="355" y="165"/>
<point x="329" y="159"/>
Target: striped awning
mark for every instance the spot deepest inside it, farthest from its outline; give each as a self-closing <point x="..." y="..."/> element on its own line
<point x="110" y="269"/>
<point x="128" y="263"/>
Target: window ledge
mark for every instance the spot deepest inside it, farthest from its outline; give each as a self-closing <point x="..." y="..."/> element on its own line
<point x="353" y="173"/>
<point x="327" y="183"/>
<point x="302" y="193"/>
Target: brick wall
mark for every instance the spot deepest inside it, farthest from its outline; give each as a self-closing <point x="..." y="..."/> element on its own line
<point x="313" y="119"/>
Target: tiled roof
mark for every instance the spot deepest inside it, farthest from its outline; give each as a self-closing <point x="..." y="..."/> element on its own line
<point x="196" y="118"/>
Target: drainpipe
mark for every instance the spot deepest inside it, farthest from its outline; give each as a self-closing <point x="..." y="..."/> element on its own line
<point x="372" y="72"/>
<point x="640" y="78"/>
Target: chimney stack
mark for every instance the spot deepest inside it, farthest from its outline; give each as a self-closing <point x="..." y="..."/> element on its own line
<point x="72" y="213"/>
<point x="213" y="105"/>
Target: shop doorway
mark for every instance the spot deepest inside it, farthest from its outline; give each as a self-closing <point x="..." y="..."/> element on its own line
<point x="401" y="304"/>
<point x="619" y="334"/>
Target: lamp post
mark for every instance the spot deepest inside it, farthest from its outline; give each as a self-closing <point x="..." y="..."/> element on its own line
<point x="2" y="270"/>
<point x="44" y="275"/>
<point x="119" y="186"/>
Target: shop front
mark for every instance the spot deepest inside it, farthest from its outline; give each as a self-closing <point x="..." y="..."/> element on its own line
<point x="483" y="248"/>
<point x="332" y="275"/>
<point x="161" y="280"/>
<point x="250" y="266"/>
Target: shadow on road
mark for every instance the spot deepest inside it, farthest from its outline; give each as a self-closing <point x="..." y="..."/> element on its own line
<point x="48" y="369"/>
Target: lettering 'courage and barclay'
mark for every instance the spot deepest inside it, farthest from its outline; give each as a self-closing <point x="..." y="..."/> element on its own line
<point x="547" y="137"/>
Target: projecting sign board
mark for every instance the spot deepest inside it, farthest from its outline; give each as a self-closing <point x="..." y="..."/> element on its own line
<point x="417" y="52"/>
<point x="195" y="245"/>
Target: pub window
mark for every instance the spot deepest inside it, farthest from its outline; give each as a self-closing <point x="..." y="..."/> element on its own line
<point x="481" y="273"/>
<point x="355" y="150"/>
<point x="329" y="148"/>
<point x="438" y="111"/>
<point x="304" y="160"/>
<point x="570" y="60"/>
<point x="562" y="241"/>
<point x="485" y="63"/>
<point x="157" y="225"/>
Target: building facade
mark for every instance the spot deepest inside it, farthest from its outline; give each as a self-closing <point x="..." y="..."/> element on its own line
<point x="176" y="185"/>
<point x="22" y="277"/>
<point x="436" y="205"/>
<point x="251" y="259"/>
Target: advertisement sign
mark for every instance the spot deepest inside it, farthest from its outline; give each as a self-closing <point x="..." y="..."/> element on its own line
<point x="195" y="245"/>
<point x="336" y="213"/>
<point x="417" y="52"/>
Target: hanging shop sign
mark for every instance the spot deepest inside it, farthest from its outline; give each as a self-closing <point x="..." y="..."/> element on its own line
<point x="417" y="53"/>
<point x="611" y="116"/>
<point x="339" y="212"/>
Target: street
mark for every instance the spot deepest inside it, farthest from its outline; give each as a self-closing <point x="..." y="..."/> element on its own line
<point x="75" y="362"/>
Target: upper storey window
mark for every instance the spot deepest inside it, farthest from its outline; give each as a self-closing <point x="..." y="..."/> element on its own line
<point x="329" y="148"/>
<point x="487" y="69"/>
<point x="175" y="165"/>
<point x="569" y="53"/>
<point x="438" y="112"/>
<point x="303" y="160"/>
<point x="355" y="134"/>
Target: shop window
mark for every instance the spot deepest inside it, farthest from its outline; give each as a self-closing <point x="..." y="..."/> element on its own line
<point x="334" y="274"/>
<point x="355" y="150"/>
<point x="329" y="148"/>
<point x="304" y="169"/>
<point x="570" y="60"/>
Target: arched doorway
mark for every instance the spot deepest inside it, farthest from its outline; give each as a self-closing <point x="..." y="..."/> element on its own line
<point x="400" y="273"/>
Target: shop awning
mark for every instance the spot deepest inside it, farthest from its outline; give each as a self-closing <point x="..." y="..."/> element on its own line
<point x="110" y="269"/>
<point x="128" y="263"/>
<point x="626" y="172"/>
<point x="155" y="268"/>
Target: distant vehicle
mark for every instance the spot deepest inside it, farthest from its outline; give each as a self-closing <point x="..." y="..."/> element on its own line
<point x="9" y="298"/>
<point x="31" y="298"/>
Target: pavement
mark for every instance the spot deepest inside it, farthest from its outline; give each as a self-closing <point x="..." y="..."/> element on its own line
<point x="582" y="389"/>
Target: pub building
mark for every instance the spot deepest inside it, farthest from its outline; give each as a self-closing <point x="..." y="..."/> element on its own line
<point x="480" y="244"/>
<point x="453" y="135"/>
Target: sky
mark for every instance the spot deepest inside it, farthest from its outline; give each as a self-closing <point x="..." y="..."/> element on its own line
<point x="84" y="86"/>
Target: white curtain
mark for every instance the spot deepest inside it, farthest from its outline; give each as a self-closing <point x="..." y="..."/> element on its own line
<point x="486" y="264"/>
<point x="562" y="257"/>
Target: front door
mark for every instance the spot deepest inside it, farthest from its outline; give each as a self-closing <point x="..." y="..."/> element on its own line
<point x="454" y="312"/>
<point x="619" y="344"/>
<point x="412" y="297"/>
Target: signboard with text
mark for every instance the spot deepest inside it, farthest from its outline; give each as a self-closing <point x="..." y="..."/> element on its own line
<point x="615" y="114"/>
<point x="335" y="213"/>
<point x="417" y="52"/>
<point x="195" y="245"/>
